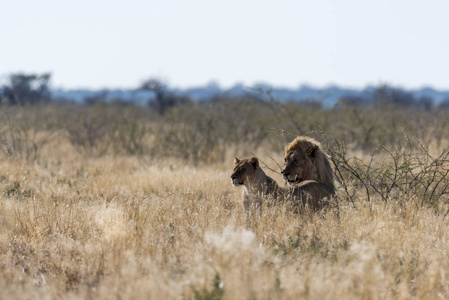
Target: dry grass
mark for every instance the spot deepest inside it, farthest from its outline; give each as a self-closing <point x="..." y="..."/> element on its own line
<point x="124" y="227"/>
<point x="87" y="211"/>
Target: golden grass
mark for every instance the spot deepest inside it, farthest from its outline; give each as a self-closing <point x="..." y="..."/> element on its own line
<point x="130" y="228"/>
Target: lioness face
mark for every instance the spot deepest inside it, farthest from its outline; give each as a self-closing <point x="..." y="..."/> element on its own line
<point x="244" y="171"/>
<point x="298" y="167"/>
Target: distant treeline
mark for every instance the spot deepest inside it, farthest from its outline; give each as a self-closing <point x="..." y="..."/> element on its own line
<point x="22" y="89"/>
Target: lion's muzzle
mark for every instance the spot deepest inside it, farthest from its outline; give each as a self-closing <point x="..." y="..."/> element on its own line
<point x="235" y="181"/>
<point x="291" y="178"/>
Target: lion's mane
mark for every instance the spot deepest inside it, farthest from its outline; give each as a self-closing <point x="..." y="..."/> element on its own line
<point x="320" y="160"/>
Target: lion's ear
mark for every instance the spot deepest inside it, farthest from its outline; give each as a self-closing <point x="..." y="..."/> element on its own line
<point x="236" y="160"/>
<point x="254" y="162"/>
<point x="312" y="151"/>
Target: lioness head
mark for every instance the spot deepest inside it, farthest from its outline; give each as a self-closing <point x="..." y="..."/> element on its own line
<point x="244" y="171"/>
<point x="298" y="164"/>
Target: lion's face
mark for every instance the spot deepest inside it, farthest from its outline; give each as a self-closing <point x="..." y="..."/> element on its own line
<point x="244" y="171"/>
<point x="298" y="166"/>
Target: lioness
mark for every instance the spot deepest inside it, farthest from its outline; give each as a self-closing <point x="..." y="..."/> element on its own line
<point x="258" y="186"/>
<point x="256" y="183"/>
<point x="304" y="160"/>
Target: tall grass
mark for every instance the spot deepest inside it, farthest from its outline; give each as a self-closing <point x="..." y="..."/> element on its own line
<point x="107" y="222"/>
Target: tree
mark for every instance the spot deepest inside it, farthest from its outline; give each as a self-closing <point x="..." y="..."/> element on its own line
<point x="164" y="99"/>
<point x="425" y="103"/>
<point x="387" y="95"/>
<point x="27" y="89"/>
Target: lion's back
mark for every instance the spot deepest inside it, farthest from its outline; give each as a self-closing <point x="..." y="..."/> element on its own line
<point x="312" y="193"/>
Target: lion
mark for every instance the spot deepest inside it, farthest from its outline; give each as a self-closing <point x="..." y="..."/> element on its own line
<point x="256" y="183"/>
<point x="304" y="160"/>
<point x="259" y="186"/>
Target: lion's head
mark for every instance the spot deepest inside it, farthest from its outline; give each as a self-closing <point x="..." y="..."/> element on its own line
<point x="298" y="166"/>
<point x="304" y="160"/>
<point x="244" y="171"/>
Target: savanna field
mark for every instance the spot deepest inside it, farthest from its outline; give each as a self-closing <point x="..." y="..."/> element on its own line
<point x="122" y="202"/>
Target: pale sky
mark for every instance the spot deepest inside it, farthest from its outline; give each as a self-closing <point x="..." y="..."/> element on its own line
<point x="118" y="44"/>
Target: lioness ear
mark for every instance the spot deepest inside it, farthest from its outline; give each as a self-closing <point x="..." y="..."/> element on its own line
<point x="236" y="160"/>
<point x="254" y="162"/>
<point x="312" y="151"/>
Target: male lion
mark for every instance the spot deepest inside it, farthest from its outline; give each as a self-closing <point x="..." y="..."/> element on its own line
<point x="304" y="160"/>
<point x="258" y="185"/>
